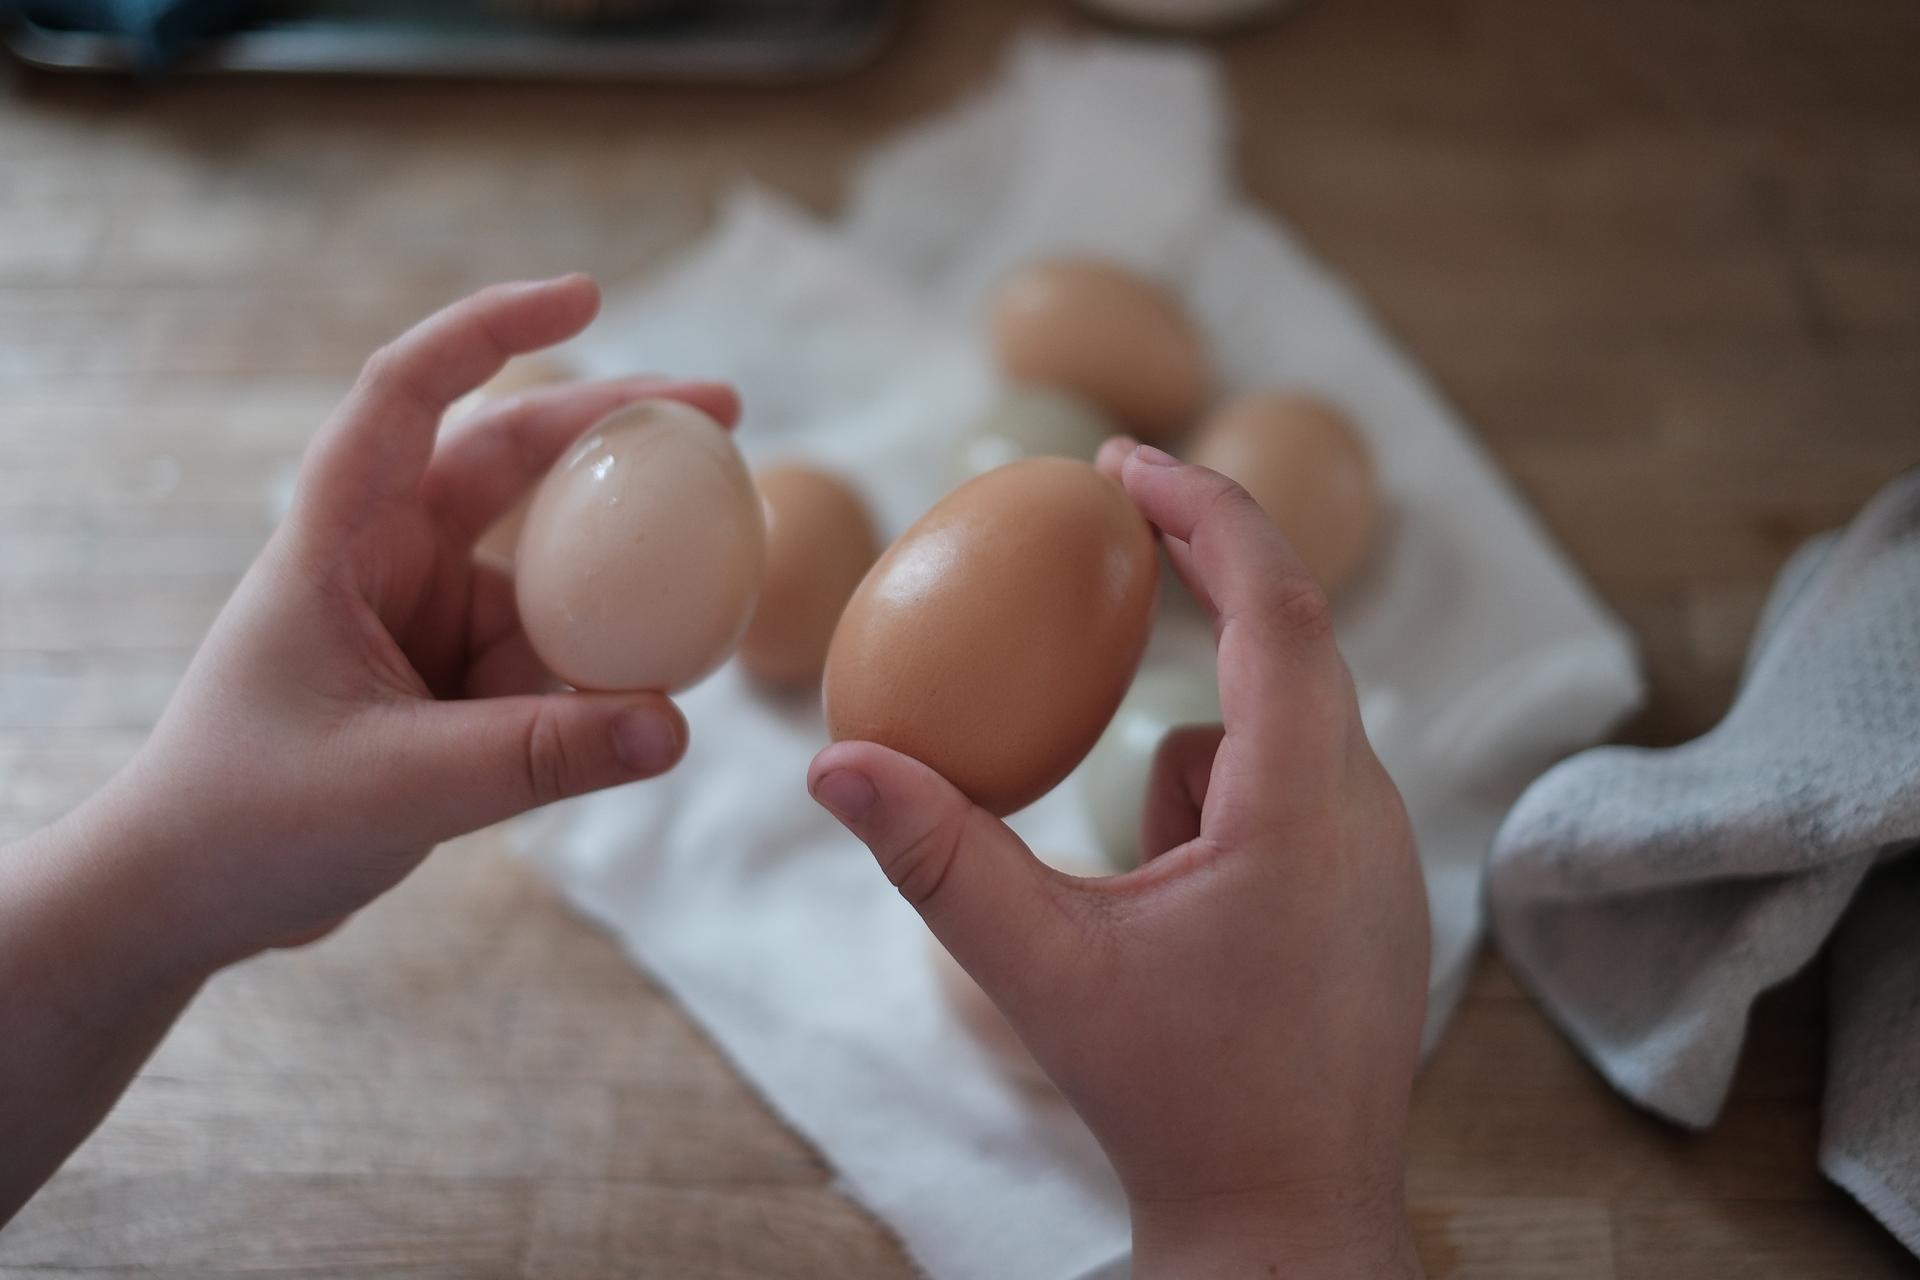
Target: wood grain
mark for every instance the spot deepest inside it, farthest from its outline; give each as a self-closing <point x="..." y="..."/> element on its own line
<point x="1665" y="257"/>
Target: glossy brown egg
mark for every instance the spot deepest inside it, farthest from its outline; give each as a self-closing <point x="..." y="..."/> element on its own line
<point x="995" y="638"/>
<point x="1104" y="332"/>
<point x="820" y="543"/>
<point x="1308" y="467"/>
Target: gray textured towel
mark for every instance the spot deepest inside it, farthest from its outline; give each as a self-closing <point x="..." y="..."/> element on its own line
<point x="1647" y="897"/>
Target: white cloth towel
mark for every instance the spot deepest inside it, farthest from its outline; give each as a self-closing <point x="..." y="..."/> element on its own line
<point x="1481" y="655"/>
<point x="1647" y="897"/>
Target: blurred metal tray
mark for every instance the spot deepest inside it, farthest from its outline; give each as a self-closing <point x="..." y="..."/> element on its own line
<point x="732" y="41"/>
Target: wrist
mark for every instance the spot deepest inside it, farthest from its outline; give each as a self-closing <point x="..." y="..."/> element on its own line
<point x="1301" y="1232"/>
<point x="110" y="889"/>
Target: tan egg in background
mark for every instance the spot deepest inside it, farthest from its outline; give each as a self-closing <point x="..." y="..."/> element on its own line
<point x="643" y="552"/>
<point x="820" y="543"/>
<point x="994" y="639"/>
<point x="1308" y="467"/>
<point x="1104" y="332"/>
<point x="522" y="373"/>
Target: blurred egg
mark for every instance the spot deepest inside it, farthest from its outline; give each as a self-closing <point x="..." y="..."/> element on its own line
<point x="522" y="373"/>
<point x="1118" y="768"/>
<point x="820" y="543"/>
<point x="1032" y="422"/>
<point x="643" y="552"/>
<point x="1106" y="333"/>
<point x="1306" y="464"/>
<point x="994" y="639"/>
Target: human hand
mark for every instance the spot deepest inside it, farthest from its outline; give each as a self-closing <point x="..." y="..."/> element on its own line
<point x="368" y="692"/>
<point x="1238" y="1020"/>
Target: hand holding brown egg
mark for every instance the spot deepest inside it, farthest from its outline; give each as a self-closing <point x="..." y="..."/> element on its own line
<point x="1270" y="950"/>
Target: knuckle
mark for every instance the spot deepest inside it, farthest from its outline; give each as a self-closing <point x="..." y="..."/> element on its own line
<point x="1297" y="607"/>
<point x="388" y="374"/>
<point x="919" y="868"/>
<point x="382" y="368"/>
<point x="550" y="770"/>
<point x="1226" y="499"/>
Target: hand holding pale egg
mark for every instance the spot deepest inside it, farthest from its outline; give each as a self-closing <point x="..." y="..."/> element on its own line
<point x="369" y="681"/>
<point x="1238" y="1019"/>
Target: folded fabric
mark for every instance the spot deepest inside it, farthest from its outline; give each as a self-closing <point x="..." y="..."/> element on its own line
<point x="1647" y="897"/>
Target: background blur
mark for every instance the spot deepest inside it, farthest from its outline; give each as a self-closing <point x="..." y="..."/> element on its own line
<point x="1665" y="257"/>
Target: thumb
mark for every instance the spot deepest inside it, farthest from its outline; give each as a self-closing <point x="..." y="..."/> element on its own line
<point x="997" y="909"/>
<point x="475" y="762"/>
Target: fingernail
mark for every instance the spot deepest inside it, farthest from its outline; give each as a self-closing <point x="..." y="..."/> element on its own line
<point x="646" y="740"/>
<point x="1154" y="457"/>
<point x="848" y="794"/>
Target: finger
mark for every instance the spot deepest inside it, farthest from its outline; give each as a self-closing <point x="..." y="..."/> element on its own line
<point x="1284" y="689"/>
<point x="493" y="610"/>
<point x="1111" y="462"/>
<point x="461" y="766"/>
<point x="378" y="442"/>
<point x="500" y="658"/>
<point x="996" y="907"/>
<point x="307" y="937"/>
<point x="507" y="667"/>
<point x="484" y="465"/>
<point x="1177" y="788"/>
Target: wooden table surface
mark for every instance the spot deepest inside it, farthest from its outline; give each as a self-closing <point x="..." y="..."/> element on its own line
<point x="1665" y="256"/>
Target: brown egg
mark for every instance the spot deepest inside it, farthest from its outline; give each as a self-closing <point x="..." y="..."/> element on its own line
<point x="1308" y="467"/>
<point x="820" y="543"/>
<point x="1106" y="333"/>
<point x="522" y="373"/>
<point x="643" y="551"/>
<point x="995" y="638"/>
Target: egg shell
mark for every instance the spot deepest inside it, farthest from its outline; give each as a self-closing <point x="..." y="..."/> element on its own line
<point x="522" y="373"/>
<point x="1308" y="467"/>
<point x="643" y="552"/>
<point x="820" y="543"/>
<point x="1104" y="332"/>
<point x="1118" y="769"/>
<point x="1031" y="422"/>
<point x="994" y="639"/>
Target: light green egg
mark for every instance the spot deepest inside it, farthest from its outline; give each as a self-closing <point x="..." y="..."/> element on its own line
<point x="1031" y="422"/>
<point x="1114" y="778"/>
